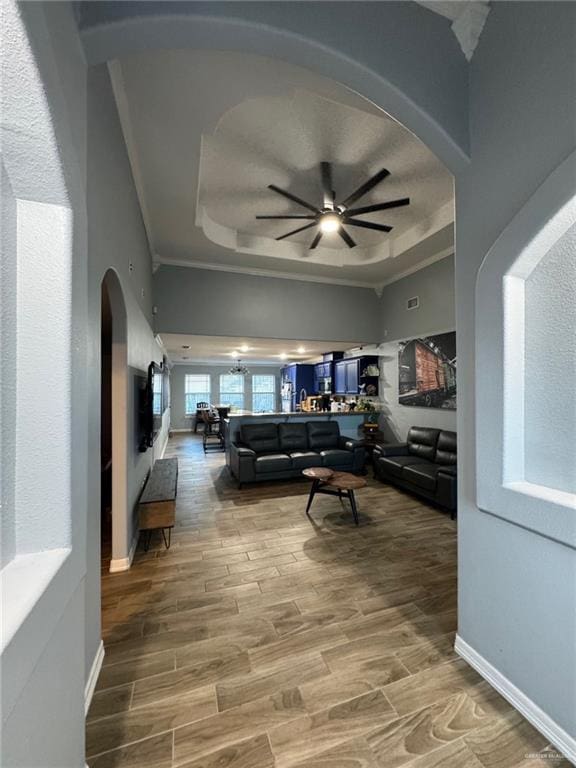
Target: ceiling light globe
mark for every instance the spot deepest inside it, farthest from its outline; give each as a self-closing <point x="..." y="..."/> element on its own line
<point x="330" y="222"/>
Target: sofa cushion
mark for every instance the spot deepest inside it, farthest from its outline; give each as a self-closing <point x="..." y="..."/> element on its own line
<point x="336" y="457"/>
<point x="395" y="464"/>
<point x="422" y="442"/>
<point x="304" y="459"/>
<point x="273" y="462"/>
<point x="446" y="448"/>
<point x="262" y="438"/>
<point x="448" y="469"/>
<point x="322" y="435"/>
<point x="293" y="437"/>
<point x="422" y="475"/>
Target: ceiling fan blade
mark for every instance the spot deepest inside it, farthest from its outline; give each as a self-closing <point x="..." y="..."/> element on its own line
<point x="294" y="231"/>
<point x="316" y="240"/>
<point x="327" y="189"/>
<point x="346" y="237"/>
<point x="286" y="217"/>
<point x="368" y="225"/>
<point x="292" y="197"/>
<point x="366" y="187"/>
<point x="379" y="207"/>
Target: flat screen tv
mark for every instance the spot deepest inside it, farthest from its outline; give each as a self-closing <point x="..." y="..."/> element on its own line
<point x="152" y="406"/>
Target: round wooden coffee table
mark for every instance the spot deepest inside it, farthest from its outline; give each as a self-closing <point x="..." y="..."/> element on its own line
<point x="341" y="484"/>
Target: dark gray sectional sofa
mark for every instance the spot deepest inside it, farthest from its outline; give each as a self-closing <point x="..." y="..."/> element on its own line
<point x="425" y="464"/>
<point x="279" y="451"/>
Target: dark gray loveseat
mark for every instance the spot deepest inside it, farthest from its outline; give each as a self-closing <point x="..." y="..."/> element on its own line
<point x="279" y="451"/>
<point x="425" y="464"/>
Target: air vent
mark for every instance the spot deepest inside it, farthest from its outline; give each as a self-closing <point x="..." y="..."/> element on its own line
<point x="413" y="303"/>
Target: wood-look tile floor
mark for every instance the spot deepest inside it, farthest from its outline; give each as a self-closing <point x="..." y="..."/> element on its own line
<point x="264" y="639"/>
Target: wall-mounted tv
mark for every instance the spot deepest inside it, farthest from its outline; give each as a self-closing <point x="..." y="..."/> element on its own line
<point x="152" y="405"/>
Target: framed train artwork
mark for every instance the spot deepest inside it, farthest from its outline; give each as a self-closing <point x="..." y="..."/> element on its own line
<point x="427" y="371"/>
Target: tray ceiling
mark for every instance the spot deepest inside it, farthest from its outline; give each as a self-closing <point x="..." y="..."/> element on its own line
<point x="208" y="131"/>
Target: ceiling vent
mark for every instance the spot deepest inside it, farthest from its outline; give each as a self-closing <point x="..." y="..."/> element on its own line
<point x="413" y="303"/>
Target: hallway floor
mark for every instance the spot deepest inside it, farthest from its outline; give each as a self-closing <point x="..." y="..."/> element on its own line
<point x="264" y="639"/>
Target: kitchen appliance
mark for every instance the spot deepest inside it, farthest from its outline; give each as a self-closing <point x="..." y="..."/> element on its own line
<point x="294" y="378"/>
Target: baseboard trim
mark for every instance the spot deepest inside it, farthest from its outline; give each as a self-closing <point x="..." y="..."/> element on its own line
<point x="188" y="429"/>
<point x="93" y="677"/>
<point x="123" y="563"/>
<point x="557" y="736"/>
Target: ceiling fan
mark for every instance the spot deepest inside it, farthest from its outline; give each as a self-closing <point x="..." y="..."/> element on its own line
<point x="332" y="216"/>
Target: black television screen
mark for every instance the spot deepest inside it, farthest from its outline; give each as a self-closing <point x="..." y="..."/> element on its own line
<point x="156" y="395"/>
<point x="152" y="406"/>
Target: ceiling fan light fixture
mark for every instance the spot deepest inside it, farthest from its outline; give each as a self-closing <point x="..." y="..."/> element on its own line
<point x="330" y="222"/>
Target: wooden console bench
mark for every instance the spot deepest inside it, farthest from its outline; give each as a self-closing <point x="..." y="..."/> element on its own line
<point x="157" y="506"/>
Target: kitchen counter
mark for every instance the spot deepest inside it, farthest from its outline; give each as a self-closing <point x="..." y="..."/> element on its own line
<point x="291" y="414"/>
<point x="348" y="421"/>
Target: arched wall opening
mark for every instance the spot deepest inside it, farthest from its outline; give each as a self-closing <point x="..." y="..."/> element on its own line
<point x="114" y="421"/>
<point x="526" y="364"/>
<point x="121" y="35"/>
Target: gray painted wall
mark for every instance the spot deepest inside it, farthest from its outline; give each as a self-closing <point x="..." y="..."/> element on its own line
<point x="515" y="585"/>
<point x="117" y="240"/>
<point x="212" y="303"/>
<point x="179" y="420"/>
<point x="434" y="285"/>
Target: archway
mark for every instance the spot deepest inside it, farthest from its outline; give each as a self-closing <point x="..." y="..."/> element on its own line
<point x="109" y="33"/>
<point x="114" y="404"/>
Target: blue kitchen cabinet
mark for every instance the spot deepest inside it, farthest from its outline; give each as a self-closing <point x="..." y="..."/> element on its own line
<point x="340" y="378"/>
<point x="352" y="377"/>
<point x="348" y="375"/>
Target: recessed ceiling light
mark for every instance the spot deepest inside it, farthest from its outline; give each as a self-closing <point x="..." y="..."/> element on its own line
<point x="283" y="356"/>
<point x="244" y="348"/>
<point x="234" y="353"/>
<point x="300" y="350"/>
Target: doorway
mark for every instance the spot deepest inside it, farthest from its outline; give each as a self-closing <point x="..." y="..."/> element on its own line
<point x="106" y="468"/>
<point x="114" y="525"/>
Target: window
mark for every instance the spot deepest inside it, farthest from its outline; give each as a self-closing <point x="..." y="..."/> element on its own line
<point x="196" y="390"/>
<point x="263" y="393"/>
<point x="232" y="390"/>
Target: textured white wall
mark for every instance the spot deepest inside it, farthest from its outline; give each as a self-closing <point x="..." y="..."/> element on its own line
<point x="8" y="372"/>
<point x="550" y="368"/>
<point x="42" y="611"/>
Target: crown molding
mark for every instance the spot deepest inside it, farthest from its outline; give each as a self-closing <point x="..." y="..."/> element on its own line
<point x="123" y="109"/>
<point x="377" y="287"/>
<point x="160" y="260"/>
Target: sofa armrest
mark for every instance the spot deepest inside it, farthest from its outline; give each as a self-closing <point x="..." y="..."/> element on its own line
<point x="349" y="444"/>
<point x="391" y="449"/>
<point x="242" y="462"/>
<point x="357" y="449"/>
<point x="242" y="451"/>
<point x="447" y="488"/>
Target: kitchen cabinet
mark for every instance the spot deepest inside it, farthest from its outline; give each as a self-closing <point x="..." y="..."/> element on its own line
<point x="348" y="375"/>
